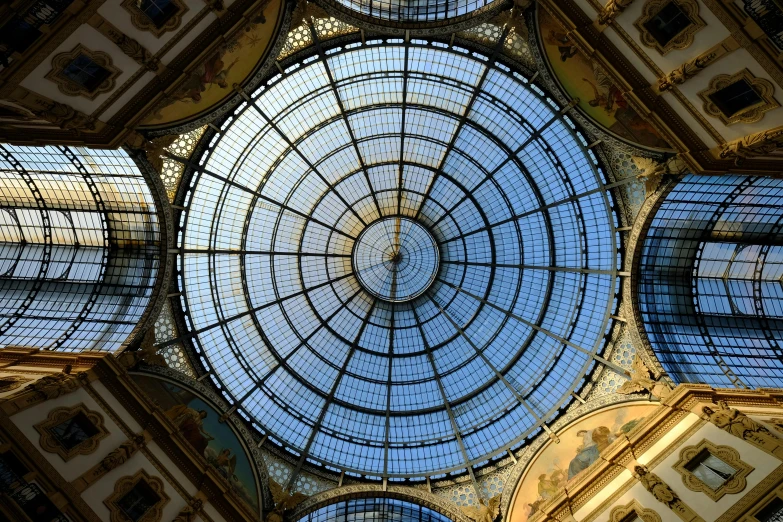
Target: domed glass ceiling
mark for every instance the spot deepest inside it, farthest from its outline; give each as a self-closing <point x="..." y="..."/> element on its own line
<point x="399" y="259"/>
<point x="421" y="11"/>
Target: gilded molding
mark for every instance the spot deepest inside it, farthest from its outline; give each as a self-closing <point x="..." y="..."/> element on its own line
<point x="754" y="497"/>
<point x="621" y="513"/>
<point x="612" y="10"/>
<point x="69" y="87"/>
<point x="764" y="88"/>
<point x="735" y="484"/>
<point x="684" y="39"/>
<point x="11" y="382"/>
<point x="143" y="23"/>
<point x="733" y="421"/>
<point x="127" y="45"/>
<point x="125" y="485"/>
<point x="692" y="67"/>
<point x="57" y="416"/>
<point x="665" y="495"/>
<point x="754" y="145"/>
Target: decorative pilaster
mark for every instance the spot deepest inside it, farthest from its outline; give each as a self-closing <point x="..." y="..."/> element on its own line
<point x="664" y="494"/>
<point x="692" y="67"/>
<point x="753" y="145"/>
<point x="740" y="425"/>
<point x="127" y="45"/>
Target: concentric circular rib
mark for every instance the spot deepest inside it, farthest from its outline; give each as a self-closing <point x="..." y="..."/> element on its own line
<point x="400" y="259"/>
<point x="396" y="259"/>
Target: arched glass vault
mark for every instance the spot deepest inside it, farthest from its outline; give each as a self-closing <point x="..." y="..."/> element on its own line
<point x="79" y="247"/>
<point x="460" y="169"/>
<point x="711" y="281"/>
<point x="374" y="509"/>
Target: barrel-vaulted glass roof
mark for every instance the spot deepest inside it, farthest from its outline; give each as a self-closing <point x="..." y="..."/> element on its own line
<point x="458" y="167"/>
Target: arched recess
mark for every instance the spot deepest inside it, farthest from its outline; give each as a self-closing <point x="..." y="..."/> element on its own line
<point x="369" y="491"/>
<point x="249" y="480"/>
<point x="705" y="288"/>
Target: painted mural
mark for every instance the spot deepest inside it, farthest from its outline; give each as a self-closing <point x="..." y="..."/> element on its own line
<point x="211" y="82"/>
<point x="199" y="424"/>
<point x="598" y="97"/>
<point x="580" y="445"/>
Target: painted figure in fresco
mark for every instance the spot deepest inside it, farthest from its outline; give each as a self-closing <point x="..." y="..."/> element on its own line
<point x="605" y="93"/>
<point x="588" y="453"/>
<point x="190" y="422"/>
<point x="550" y="485"/>
<point x="226" y="463"/>
<point x="563" y="42"/>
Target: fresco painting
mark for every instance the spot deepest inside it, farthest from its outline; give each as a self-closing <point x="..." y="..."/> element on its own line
<point x="579" y="447"/>
<point x="199" y="424"/>
<point x="211" y="82"/>
<point x="598" y="97"/>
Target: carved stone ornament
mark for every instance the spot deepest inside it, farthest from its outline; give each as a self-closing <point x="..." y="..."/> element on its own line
<point x="665" y="495"/>
<point x="727" y="454"/>
<point x="612" y="10"/>
<point x="124" y="485"/>
<point x="641" y="380"/>
<point x="740" y="425"/>
<point x="764" y="89"/>
<point x="55" y="385"/>
<point x="49" y="442"/>
<point x="682" y="40"/>
<point x="620" y="513"/>
<point x="11" y="382"/>
<point x="684" y="72"/>
<point x="122" y="454"/>
<point x="755" y="145"/>
<point x="141" y="21"/>
<point x="70" y="87"/>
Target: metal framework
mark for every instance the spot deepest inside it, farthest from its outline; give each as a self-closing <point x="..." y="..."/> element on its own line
<point x="399" y="13"/>
<point x="79" y="247"/>
<point x="710" y="288"/>
<point x="374" y="509"/>
<point x="470" y="150"/>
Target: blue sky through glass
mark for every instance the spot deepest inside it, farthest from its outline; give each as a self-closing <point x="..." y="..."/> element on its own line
<point x="497" y="176"/>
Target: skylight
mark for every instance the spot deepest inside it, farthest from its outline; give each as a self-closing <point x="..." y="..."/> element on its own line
<point x="444" y="171"/>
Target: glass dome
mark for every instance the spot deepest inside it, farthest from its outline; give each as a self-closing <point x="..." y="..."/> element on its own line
<point x="412" y="14"/>
<point x="399" y="259"/>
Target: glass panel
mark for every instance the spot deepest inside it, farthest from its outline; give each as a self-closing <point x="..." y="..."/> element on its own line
<point x="735" y="97"/>
<point x="72" y="432"/>
<point x="85" y="72"/>
<point x="136" y="502"/>
<point x="772" y="512"/>
<point x="709" y="469"/>
<point x="668" y="23"/>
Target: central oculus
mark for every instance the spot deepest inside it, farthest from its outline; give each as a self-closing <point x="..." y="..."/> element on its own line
<point x="395" y="259"/>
